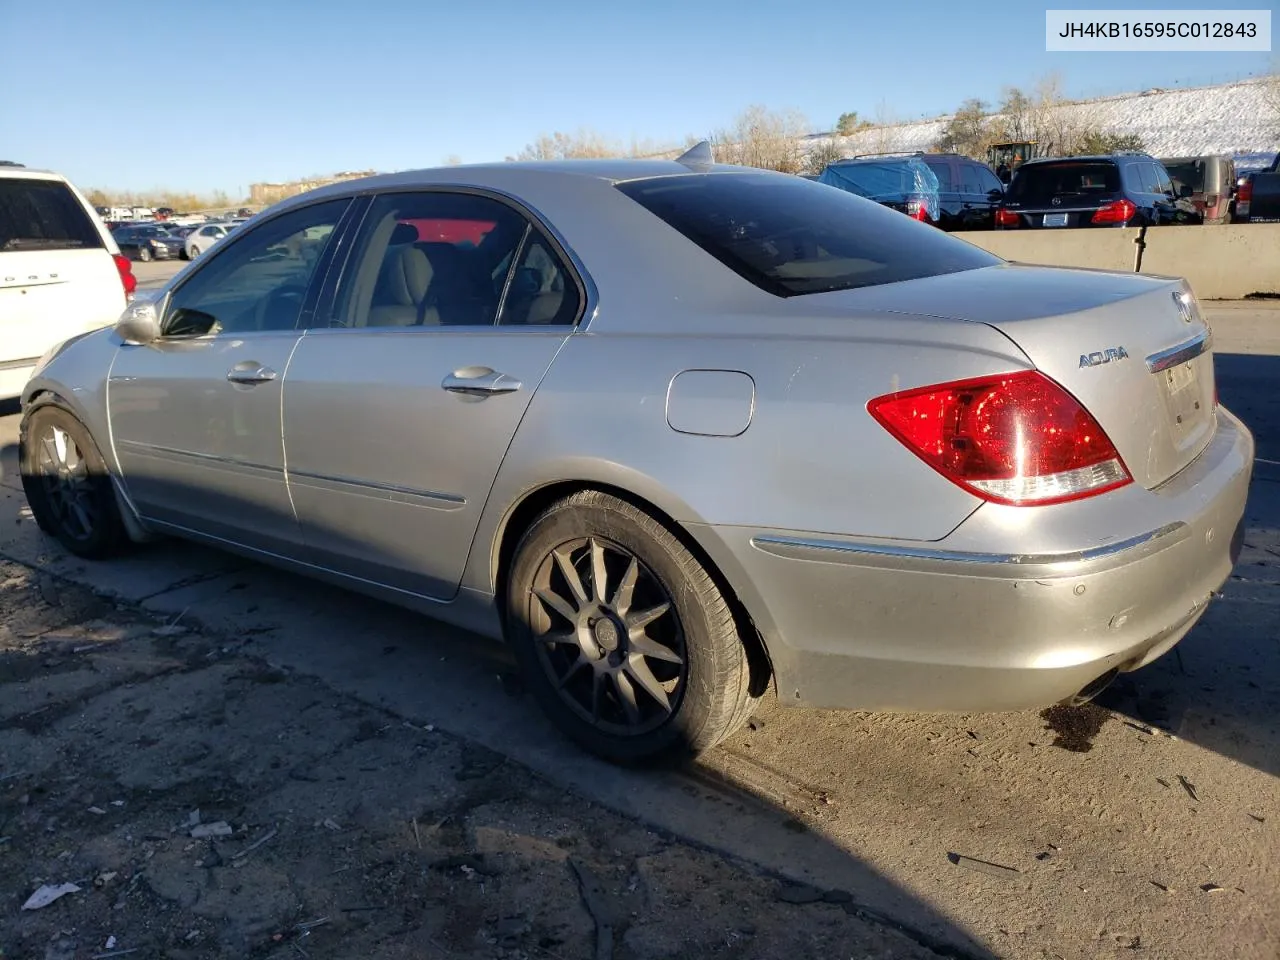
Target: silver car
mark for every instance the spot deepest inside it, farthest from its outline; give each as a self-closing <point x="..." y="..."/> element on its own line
<point x="681" y="433"/>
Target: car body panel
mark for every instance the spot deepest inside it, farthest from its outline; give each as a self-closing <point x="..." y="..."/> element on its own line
<point x="417" y="462"/>
<point x="197" y="451"/>
<point x="49" y="295"/>
<point x="874" y="581"/>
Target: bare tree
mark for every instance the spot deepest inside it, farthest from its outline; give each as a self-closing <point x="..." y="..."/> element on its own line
<point x="882" y="131"/>
<point x="566" y="146"/>
<point x="819" y="157"/>
<point x="1017" y="115"/>
<point x="968" y="131"/>
<point x="764" y="138"/>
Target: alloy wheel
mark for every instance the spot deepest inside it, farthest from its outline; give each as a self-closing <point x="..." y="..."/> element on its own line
<point x="608" y="636"/>
<point x="68" y="487"/>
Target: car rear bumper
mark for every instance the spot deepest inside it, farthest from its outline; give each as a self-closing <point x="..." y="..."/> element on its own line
<point x="904" y="625"/>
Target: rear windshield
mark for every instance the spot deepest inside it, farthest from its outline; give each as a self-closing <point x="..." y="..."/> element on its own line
<point x="43" y="215"/>
<point x="791" y="236"/>
<point x="1041" y="182"/>
<point x="1190" y="172"/>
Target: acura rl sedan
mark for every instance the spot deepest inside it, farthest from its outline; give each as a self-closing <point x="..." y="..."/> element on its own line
<point x="683" y="434"/>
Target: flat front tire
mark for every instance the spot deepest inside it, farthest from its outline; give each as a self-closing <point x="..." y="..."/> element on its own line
<point x="623" y="636"/>
<point x="67" y="484"/>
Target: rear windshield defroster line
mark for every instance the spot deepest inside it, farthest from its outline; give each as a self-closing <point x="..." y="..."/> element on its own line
<point x="791" y="236"/>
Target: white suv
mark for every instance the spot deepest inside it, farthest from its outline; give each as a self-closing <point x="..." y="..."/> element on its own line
<point x="61" y="274"/>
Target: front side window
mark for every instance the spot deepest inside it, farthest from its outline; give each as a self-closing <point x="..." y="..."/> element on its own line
<point x="430" y="259"/>
<point x="259" y="282"/>
<point x="791" y="236"/>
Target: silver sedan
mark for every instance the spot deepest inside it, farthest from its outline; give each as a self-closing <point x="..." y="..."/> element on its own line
<point x="684" y="434"/>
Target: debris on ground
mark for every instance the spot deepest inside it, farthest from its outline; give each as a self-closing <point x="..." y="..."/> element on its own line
<point x="47" y="894"/>
<point x="1188" y="786"/>
<point x="983" y="866"/>
<point x="220" y="767"/>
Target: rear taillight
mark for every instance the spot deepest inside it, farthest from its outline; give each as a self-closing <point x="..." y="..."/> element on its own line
<point x="1118" y="211"/>
<point x="1007" y="218"/>
<point x="1016" y="438"/>
<point x="127" y="279"/>
<point x="916" y="211"/>
<point x="1244" y="197"/>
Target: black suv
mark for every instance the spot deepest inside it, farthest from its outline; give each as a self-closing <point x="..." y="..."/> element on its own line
<point x="966" y="196"/>
<point x="1119" y="190"/>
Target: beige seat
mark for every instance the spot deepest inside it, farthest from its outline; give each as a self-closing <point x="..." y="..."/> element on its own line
<point x="402" y="286"/>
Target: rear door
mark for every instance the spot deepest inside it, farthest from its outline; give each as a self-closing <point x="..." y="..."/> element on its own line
<point x="950" y="202"/>
<point x="403" y="396"/>
<point x="981" y="193"/>
<point x="57" y="278"/>
<point x="1063" y="193"/>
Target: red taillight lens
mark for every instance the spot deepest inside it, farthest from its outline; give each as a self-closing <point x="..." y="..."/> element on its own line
<point x="1118" y="211"/>
<point x="127" y="279"/>
<point x="1016" y="438"/>
<point x="916" y="211"/>
<point x="1244" y="192"/>
<point x="1007" y="218"/>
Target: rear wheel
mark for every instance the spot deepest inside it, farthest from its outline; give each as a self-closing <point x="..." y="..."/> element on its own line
<point x="623" y="636"/>
<point x="67" y="485"/>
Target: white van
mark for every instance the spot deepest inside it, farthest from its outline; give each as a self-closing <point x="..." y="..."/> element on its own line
<point x="61" y="274"/>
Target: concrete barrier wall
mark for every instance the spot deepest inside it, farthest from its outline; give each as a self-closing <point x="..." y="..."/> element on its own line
<point x="1221" y="262"/>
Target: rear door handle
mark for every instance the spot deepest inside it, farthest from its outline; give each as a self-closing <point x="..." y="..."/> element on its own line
<point x="250" y="371"/>
<point x="479" y="382"/>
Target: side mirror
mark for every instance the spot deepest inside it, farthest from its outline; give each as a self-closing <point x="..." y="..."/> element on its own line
<point x="1185" y="191"/>
<point x="140" y="323"/>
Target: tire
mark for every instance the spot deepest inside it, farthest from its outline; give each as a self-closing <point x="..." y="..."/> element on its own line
<point x="67" y="485"/>
<point x="144" y="254"/>
<point x="182" y="254"/>
<point x="575" y="677"/>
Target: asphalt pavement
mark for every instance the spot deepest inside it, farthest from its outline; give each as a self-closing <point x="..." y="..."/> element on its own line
<point x="1148" y="821"/>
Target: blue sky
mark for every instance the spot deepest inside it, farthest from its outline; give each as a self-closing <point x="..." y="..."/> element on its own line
<point x="200" y="96"/>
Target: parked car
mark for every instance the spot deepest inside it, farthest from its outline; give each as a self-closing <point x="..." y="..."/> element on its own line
<point x="202" y="238"/>
<point x="1213" y="184"/>
<point x="682" y="433"/>
<point x="148" y="241"/>
<point x="1118" y="190"/>
<point x="1258" y="196"/>
<point x="60" y="272"/>
<point x="950" y="191"/>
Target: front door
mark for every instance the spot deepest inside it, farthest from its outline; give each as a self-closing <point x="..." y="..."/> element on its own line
<point x="401" y="401"/>
<point x="195" y="415"/>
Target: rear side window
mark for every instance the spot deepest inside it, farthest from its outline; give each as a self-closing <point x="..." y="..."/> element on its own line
<point x="791" y="236"/>
<point x="942" y="170"/>
<point x="43" y="215"/>
<point x="1041" y="182"/>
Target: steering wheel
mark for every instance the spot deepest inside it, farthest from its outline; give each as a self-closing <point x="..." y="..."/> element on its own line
<point x="293" y="292"/>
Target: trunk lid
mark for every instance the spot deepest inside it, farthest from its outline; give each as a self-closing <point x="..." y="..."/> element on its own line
<point x="1122" y="344"/>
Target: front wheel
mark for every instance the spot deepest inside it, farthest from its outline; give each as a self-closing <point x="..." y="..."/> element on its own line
<point x="195" y="252"/>
<point x="67" y="484"/>
<point x="144" y="254"/>
<point x="624" y="637"/>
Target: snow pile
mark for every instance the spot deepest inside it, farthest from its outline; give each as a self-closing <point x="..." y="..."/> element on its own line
<point x="1233" y="118"/>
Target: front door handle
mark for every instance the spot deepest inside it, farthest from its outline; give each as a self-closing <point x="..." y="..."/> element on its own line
<point x="479" y="382"/>
<point x="250" y="371"/>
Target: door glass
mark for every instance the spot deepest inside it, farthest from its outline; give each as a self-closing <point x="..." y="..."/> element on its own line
<point x="429" y="259"/>
<point x="1149" y="180"/>
<point x="541" y="290"/>
<point x="942" y="170"/>
<point x="259" y="282"/>
<point x="970" y="181"/>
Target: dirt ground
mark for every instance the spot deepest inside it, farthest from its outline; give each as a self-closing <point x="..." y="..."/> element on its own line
<point x="207" y="804"/>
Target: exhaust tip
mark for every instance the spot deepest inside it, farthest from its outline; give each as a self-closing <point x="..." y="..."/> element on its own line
<point x="1093" y="688"/>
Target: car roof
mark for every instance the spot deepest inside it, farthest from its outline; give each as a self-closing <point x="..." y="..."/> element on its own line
<point x="1092" y="158"/>
<point x="27" y="173"/>
<point x="520" y="176"/>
